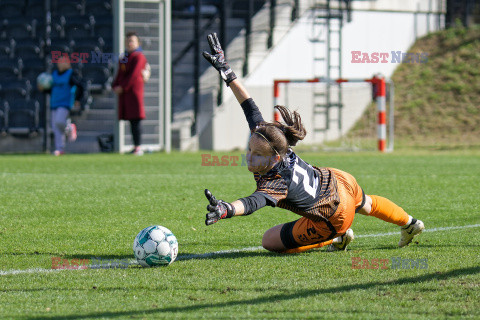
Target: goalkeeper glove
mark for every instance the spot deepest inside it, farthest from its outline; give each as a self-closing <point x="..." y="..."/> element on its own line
<point x="218" y="209"/>
<point x="217" y="59"/>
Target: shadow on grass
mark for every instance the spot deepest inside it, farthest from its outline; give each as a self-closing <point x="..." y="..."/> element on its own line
<point x="226" y="255"/>
<point x="274" y="298"/>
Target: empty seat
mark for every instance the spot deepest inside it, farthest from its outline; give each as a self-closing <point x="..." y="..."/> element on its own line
<point x="28" y="63"/>
<point x="103" y="18"/>
<point x="37" y="28"/>
<point x="40" y="97"/>
<point x="9" y="69"/>
<point x="79" y="27"/>
<point x="86" y="45"/>
<point x="75" y="31"/>
<point x="31" y="68"/>
<point x="24" y="117"/>
<point x="85" y="21"/>
<point x="11" y="8"/>
<point x="16" y="90"/>
<point x="20" y="3"/>
<point x="6" y="49"/>
<point x="34" y="8"/>
<point x="32" y="73"/>
<point x="104" y="29"/>
<point x="14" y="94"/>
<point x="105" y="41"/>
<point x="28" y="50"/>
<point x="58" y="27"/>
<point x="96" y="77"/>
<point x="62" y="45"/>
<point x="4" y="55"/>
<point x="18" y="30"/>
<point x="69" y="8"/>
<point x="98" y="7"/>
<point x="89" y="42"/>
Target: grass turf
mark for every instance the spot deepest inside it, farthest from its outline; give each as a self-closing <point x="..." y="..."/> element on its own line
<point x="84" y="206"/>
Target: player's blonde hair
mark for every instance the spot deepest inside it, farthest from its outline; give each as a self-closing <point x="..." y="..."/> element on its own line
<point x="281" y="136"/>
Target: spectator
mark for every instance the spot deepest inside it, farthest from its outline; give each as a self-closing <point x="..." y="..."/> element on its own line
<point x="66" y="92"/>
<point x="128" y="85"/>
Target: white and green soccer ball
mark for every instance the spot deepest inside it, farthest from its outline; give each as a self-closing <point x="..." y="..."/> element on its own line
<point x="155" y="246"/>
<point x="45" y="81"/>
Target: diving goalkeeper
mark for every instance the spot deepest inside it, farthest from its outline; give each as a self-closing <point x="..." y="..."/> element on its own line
<point x="325" y="198"/>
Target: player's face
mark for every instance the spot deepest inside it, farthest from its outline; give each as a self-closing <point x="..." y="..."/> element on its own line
<point x="260" y="157"/>
<point x="132" y="43"/>
<point x="63" y="64"/>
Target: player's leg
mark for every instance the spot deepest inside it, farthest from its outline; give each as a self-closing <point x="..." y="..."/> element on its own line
<point x="136" y="131"/>
<point x="59" y="119"/>
<point x="296" y="236"/>
<point x="71" y="130"/>
<point x="379" y="207"/>
<point x="388" y="211"/>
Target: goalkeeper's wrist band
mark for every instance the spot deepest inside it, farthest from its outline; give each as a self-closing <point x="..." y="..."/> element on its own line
<point x="228" y="75"/>
<point x="230" y="210"/>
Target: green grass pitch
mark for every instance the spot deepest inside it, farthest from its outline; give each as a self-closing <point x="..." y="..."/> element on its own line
<point x="84" y="206"/>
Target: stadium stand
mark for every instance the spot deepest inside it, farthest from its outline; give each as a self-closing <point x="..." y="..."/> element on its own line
<point x="25" y="52"/>
<point x="87" y="26"/>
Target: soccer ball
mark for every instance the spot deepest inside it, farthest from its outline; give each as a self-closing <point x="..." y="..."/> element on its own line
<point x="44" y="81"/>
<point x="155" y="246"/>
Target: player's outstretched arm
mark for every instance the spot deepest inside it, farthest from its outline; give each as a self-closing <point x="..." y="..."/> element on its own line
<point x="239" y="91"/>
<point x="219" y="209"/>
<point x="217" y="59"/>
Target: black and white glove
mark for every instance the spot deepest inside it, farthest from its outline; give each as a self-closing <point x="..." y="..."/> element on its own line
<point x="217" y="59"/>
<point x="217" y="209"/>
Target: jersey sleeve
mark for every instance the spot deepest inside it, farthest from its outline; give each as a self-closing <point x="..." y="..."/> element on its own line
<point x="273" y="188"/>
<point x="253" y="203"/>
<point x="252" y="113"/>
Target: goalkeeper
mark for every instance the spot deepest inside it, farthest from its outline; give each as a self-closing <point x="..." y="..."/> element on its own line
<point x="326" y="198"/>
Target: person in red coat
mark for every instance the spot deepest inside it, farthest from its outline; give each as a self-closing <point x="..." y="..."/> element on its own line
<point x="128" y="85"/>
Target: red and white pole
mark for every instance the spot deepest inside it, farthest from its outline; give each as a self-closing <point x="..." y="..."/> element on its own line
<point x="276" y="94"/>
<point x="382" y="115"/>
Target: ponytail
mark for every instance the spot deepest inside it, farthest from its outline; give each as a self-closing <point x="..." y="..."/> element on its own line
<point x="293" y="128"/>
<point x="282" y="136"/>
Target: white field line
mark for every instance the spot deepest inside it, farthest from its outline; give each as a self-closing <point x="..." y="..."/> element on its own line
<point x="223" y="252"/>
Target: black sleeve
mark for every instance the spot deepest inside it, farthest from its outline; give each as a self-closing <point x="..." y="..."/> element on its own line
<point x="252" y="113"/>
<point x="76" y="80"/>
<point x="254" y="202"/>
